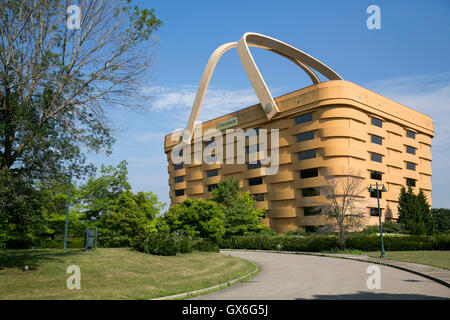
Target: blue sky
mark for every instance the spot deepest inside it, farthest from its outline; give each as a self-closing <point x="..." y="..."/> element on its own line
<point x="408" y="60"/>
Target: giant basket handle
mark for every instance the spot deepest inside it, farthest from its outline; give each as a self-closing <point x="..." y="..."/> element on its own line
<point x="302" y="59"/>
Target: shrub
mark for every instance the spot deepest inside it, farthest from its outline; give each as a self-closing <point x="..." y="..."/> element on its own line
<point x="186" y="244"/>
<point x="166" y="244"/>
<point x="206" y="245"/>
<point x="296" y="232"/>
<point x="58" y="244"/>
<point x="116" y="242"/>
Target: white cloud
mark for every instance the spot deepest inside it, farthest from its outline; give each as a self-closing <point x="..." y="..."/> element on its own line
<point x="179" y="100"/>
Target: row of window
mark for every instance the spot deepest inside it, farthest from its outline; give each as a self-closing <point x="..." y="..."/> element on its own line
<point x="307" y="117"/>
<point x="379" y="123"/>
<point x="378" y="140"/>
<point x="314" y="211"/>
<point x="379" y="158"/>
<point x="311" y="154"/>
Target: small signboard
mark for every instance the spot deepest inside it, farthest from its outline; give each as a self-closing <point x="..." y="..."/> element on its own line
<point x="90" y="238"/>
<point x="227" y="123"/>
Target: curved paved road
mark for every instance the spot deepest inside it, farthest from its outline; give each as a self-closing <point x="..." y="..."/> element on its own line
<point x="291" y="276"/>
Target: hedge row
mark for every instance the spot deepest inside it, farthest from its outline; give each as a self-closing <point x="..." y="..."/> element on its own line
<point x="330" y="243"/>
<point x="169" y="244"/>
<point x="74" y="243"/>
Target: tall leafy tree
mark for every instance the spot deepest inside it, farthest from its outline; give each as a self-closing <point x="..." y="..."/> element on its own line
<point x="56" y="86"/>
<point x="129" y="215"/>
<point x="56" y="83"/>
<point x="241" y="216"/>
<point x="197" y="218"/>
<point x="98" y="192"/>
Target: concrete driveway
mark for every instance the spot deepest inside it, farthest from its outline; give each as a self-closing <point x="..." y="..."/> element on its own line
<point x="291" y="276"/>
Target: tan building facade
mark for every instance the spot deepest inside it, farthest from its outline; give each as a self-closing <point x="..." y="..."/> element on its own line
<point x="323" y="129"/>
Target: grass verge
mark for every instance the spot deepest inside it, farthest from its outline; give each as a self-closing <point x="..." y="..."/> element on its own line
<point x="114" y="273"/>
<point x="440" y="259"/>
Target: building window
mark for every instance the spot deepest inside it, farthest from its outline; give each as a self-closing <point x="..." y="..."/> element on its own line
<point x="376" y="139"/>
<point x="410" y="166"/>
<point x="377" y="122"/>
<point x="410" y="134"/>
<point x="309" y="173"/>
<point x="179" y="192"/>
<point x="373" y="194"/>
<point x="312" y="211"/>
<point x="308" y="154"/>
<point x="410" y="150"/>
<point x="410" y="182"/>
<point x="305" y="136"/>
<point x="252" y="148"/>
<point x="374" y="212"/>
<point x="252" y="166"/>
<point x="303" y="118"/>
<point x="258" y="197"/>
<point x="310" y="192"/>
<point x="178" y="179"/>
<point x="255" y="181"/>
<point x="376" y="157"/>
<point x="211" y="186"/>
<point x="177" y="166"/>
<point x="212" y="173"/>
<point x="376" y="175"/>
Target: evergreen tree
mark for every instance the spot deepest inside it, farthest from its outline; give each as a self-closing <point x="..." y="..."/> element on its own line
<point x="414" y="212"/>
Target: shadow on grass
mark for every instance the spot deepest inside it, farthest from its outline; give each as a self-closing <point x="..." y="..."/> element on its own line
<point x="363" y="295"/>
<point x="33" y="257"/>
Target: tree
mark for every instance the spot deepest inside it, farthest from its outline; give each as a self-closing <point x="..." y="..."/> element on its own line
<point x="241" y="216"/>
<point x="97" y="193"/>
<point x="56" y="83"/>
<point x="130" y="215"/>
<point x="54" y="203"/>
<point x="197" y="218"/>
<point x="441" y="218"/>
<point x="414" y="212"/>
<point x="22" y="216"/>
<point x="344" y="196"/>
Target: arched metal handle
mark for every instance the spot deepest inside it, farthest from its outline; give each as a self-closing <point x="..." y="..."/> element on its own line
<point x="302" y="59"/>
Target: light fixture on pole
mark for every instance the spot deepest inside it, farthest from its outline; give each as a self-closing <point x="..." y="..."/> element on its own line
<point x="383" y="189"/>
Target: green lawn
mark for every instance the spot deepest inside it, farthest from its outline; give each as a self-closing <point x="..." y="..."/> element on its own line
<point x="440" y="259"/>
<point x="117" y="273"/>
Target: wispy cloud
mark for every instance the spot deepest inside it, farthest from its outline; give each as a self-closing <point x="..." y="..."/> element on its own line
<point x="149" y="136"/>
<point x="179" y="100"/>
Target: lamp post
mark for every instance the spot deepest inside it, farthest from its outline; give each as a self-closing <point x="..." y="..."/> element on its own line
<point x="383" y="254"/>
<point x="67" y="213"/>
